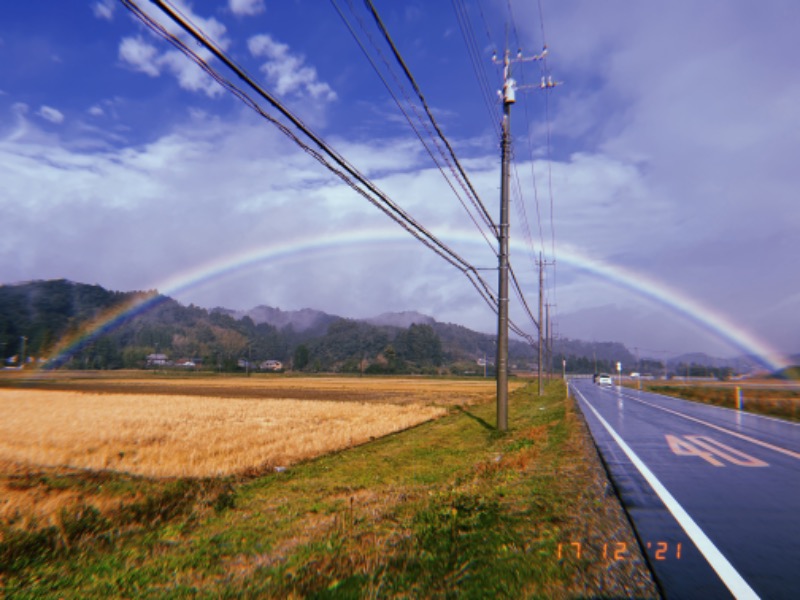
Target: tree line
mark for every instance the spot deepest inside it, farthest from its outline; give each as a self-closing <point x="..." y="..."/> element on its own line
<point x="40" y="314"/>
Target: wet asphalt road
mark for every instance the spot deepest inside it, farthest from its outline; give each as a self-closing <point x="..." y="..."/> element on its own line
<point x="714" y="494"/>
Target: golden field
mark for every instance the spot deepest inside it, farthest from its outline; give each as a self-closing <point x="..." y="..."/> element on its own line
<point x="53" y="425"/>
<point x="400" y="390"/>
<point x="158" y="435"/>
<point x="210" y="426"/>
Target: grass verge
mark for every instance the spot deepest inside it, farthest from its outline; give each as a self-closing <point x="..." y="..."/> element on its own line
<point x="449" y="508"/>
<point x="781" y="403"/>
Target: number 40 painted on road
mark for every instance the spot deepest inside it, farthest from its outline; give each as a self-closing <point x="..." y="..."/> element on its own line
<point x="711" y="450"/>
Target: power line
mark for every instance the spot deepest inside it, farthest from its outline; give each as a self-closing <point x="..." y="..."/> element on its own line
<point x="546" y="76"/>
<point x="402" y="63"/>
<point x="344" y="170"/>
<point x="474" y="197"/>
<point x="513" y="23"/>
<point x="424" y="124"/>
<point x="476" y="59"/>
<point x="441" y="135"/>
<point x="323" y="153"/>
<point x="521" y="296"/>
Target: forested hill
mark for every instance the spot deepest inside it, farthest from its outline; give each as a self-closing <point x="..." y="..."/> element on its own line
<point x="35" y="316"/>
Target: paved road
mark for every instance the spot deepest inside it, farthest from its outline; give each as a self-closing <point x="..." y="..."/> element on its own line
<point x="714" y="494"/>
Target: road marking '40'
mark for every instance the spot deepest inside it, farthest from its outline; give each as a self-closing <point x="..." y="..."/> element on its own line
<point x="711" y="450"/>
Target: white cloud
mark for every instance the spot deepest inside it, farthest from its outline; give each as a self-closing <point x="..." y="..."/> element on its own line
<point x="674" y="157"/>
<point x="231" y="185"/>
<point x="18" y="110"/>
<point x="141" y="55"/>
<point x="685" y="167"/>
<point x="96" y="111"/>
<point x="146" y="58"/>
<point x="189" y="75"/>
<point x="104" y="9"/>
<point x="149" y="59"/>
<point x="288" y="71"/>
<point x="51" y="114"/>
<point x="246" y="7"/>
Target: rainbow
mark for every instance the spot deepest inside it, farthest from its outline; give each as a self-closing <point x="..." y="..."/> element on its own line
<point x="675" y="301"/>
<point x="105" y="322"/>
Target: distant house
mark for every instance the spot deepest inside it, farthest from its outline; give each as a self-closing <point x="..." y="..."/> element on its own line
<point x="157" y="360"/>
<point x="271" y="365"/>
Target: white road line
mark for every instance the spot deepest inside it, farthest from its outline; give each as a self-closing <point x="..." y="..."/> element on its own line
<point x="752" y="440"/>
<point x="729" y="576"/>
<point x="749" y="415"/>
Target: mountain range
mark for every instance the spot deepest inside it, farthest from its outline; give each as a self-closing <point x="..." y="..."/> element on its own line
<point x="45" y="312"/>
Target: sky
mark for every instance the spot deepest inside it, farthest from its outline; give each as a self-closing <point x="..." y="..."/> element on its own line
<point x="658" y="179"/>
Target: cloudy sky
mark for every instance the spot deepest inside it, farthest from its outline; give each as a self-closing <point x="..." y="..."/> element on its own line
<point x="660" y="175"/>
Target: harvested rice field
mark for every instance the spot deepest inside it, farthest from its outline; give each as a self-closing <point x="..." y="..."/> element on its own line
<point x="399" y="390"/>
<point x="162" y="436"/>
<point x="226" y="426"/>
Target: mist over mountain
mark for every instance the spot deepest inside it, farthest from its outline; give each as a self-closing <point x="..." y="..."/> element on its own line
<point x="401" y="319"/>
<point x="303" y="320"/>
<point x="35" y="317"/>
<point x="740" y="364"/>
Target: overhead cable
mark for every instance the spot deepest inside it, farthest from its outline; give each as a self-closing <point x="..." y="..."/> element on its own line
<point x="423" y="123"/>
<point x="474" y="195"/>
<point x="344" y="170"/>
<point x="477" y="60"/>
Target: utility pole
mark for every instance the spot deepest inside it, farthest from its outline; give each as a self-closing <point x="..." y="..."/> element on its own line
<point x="548" y="353"/>
<point x="502" y="285"/>
<point x="509" y="97"/>
<point x="541" y="304"/>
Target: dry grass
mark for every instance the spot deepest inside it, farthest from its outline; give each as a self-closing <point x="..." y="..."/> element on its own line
<point x="396" y="390"/>
<point x="59" y="427"/>
<point x="446" y="508"/>
<point x="777" y="399"/>
<point x="174" y="435"/>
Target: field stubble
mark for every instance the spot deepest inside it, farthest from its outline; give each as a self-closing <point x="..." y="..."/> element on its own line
<point x="212" y="427"/>
<point x="446" y="508"/>
<point x="194" y="427"/>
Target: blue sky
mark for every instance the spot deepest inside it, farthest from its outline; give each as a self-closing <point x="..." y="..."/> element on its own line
<point x="672" y="153"/>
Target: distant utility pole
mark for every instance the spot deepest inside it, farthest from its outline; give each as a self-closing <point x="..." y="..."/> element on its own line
<point x="509" y="97"/>
<point x="544" y="330"/>
<point x="541" y="303"/>
<point x="548" y="352"/>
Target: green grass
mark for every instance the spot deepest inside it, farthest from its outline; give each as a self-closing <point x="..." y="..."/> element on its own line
<point x="784" y="404"/>
<point x="451" y="508"/>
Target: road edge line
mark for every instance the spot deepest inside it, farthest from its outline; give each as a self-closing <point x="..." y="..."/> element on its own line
<point x="724" y="569"/>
